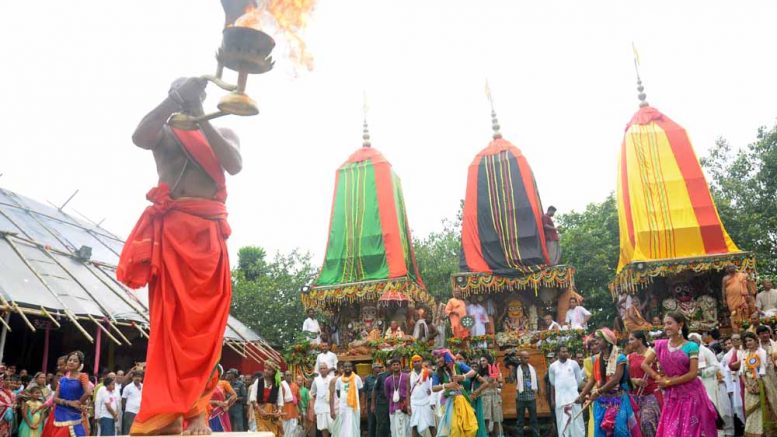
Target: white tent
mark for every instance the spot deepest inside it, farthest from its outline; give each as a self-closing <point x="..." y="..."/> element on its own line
<point x="58" y="267"/>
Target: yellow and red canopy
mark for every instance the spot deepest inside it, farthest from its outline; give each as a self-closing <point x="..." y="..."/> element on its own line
<point x="665" y="209"/>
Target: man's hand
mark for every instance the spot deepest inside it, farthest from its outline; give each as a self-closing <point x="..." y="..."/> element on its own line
<point x="189" y="91"/>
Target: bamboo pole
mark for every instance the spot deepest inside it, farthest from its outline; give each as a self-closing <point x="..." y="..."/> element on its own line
<point x="89" y="293"/>
<point x="26" y="320"/>
<point x="68" y="313"/>
<point x="73" y="317"/>
<point x="100" y="275"/>
<point x="142" y="333"/>
<point x="12" y="306"/>
<point x="255" y="353"/>
<point x="5" y="324"/>
<point x="251" y="353"/>
<point x="103" y="329"/>
<point x="247" y="353"/>
<point x="46" y="313"/>
<point x="235" y="349"/>
<point x="115" y="327"/>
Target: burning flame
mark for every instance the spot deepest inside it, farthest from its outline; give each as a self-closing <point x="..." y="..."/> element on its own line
<point x="290" y="17"/>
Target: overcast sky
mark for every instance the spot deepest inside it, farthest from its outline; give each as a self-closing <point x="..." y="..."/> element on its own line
<point x="77" y="76"/>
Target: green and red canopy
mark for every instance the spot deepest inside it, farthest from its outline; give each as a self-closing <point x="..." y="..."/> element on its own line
<point x="370" y="250"/>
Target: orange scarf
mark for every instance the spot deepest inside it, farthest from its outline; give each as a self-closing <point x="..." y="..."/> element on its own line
<point x="352" y="400"/>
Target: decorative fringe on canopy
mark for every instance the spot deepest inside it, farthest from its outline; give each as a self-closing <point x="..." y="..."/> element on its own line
<point x="638" y="275"/>
<point x="485" y="283"/>
<point x="364" y="292"/>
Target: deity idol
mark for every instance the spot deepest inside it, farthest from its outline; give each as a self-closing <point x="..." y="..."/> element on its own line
<point x="515" y="319"/>
<point x="367" y="326"/>
<point x="702" y="311"/>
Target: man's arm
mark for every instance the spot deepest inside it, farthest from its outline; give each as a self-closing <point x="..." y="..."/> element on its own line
<point x="332" y="398"/>
<point x="586" y="315"/>
<point x="372" y="396"/>
<point x="149" y="132"/>
<point x="226" y="146"/>
<point x="723" y="287"/>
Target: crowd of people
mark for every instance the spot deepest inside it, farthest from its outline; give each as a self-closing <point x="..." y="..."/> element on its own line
<point x="68" y="402"/>
<point x="683" y="384"/>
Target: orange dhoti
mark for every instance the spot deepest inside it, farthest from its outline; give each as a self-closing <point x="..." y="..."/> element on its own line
<point x="456" y="309"/>
<point x="739" y="299"/>
<point x="267" y="420"/>
<point x="178" y="248"/>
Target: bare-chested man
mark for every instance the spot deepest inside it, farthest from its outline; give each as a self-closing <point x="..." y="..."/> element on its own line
<point x="178" y="248"/>
<point x="739" y="294"/>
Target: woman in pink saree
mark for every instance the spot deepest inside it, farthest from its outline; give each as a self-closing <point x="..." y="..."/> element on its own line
<point x="687" y="409"/>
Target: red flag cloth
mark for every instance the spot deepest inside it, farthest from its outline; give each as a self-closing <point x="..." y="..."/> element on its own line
<point x="178" y="247"/>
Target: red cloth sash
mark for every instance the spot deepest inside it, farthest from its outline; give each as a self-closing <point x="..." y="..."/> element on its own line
<point x="198" y="149"/>
<point x="178" y="247"/>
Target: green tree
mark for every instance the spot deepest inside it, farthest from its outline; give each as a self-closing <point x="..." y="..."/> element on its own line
<point x="438" y="258"/>
<point x="589" y="241"/>
<point x="744" y="186"/>
<point x="266" y="294"/>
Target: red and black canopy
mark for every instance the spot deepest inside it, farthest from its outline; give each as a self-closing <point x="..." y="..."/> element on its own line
<point x="502" y="231"/>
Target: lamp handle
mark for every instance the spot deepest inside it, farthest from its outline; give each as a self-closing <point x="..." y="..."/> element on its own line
<point x="219" y="82"/>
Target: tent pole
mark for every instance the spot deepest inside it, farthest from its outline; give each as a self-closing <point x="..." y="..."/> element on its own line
<point x="97" y="345"/>
<point x="3" y="335"/>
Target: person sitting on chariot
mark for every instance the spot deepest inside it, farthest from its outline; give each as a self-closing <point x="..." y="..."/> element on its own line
<point x="394" y="331"/>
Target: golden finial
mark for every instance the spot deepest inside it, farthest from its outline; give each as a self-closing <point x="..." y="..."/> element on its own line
<point x="365" y="128"/>
<point x="641" y="89"/>
<point x="494" y="121"/>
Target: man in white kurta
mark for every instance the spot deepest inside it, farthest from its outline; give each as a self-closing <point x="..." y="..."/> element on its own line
<point x="477" y="312"/>
<point x="311" y="328"/>
<point x="565" y="377"/>
<point x="480" y="315"/>
<point x="289" y="425"/>
<point x="766" y="301"/>
<point x="347" y="422"/>
<point x="422" y="416"/>
<point x="320" y="392"/>
<point x="577" y="316"/>
<point x="731" y="375"/>
<point x="325" y="357"/>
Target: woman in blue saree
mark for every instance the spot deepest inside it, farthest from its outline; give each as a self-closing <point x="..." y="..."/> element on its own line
<point x="74" y="389"/>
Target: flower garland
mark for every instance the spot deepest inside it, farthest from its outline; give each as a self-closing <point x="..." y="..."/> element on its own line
<point x="487" y="283"/>
<point x="573" y="339"/>
<point x="637" y="275"/>
<point x="403" y="351"/>
<point x="771" y="321"/>
<point x="472" y="346"/>
<point x="369" y="291"/>
<point x="301" y="357"/>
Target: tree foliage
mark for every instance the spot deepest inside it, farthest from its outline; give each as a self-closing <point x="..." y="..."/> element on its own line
<point x="266" y="293"/>
<point x="589" y="241"/>
<point x="438" y="258"/>
<point x="744" y="185"/>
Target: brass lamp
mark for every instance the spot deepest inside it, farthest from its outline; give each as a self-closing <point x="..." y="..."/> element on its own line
<point x="245" y="50"/>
